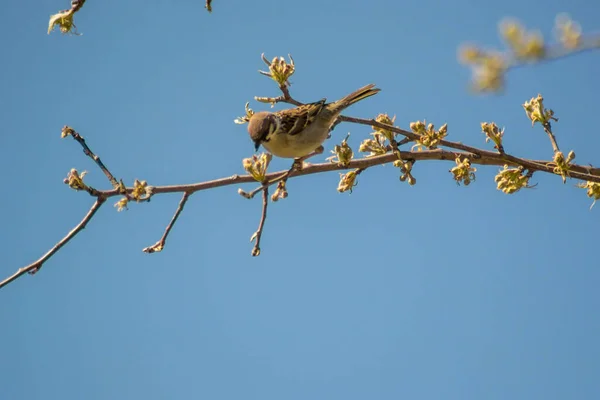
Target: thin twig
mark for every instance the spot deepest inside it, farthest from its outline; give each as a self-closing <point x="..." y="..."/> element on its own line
<point x="258" y="234"/>
<point x="548" y="130"/>
<point x="284" y="98"/>
<point x="556" y="51"/>
<point x="75" y="6"/>
<point x="36" y="265"/>
<point x="68" y="131"/>
<point x="287" y="97"/>
<point x="158" y="246"/>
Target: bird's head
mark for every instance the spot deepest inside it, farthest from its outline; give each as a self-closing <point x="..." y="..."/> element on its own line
<point x="260" y="125"/>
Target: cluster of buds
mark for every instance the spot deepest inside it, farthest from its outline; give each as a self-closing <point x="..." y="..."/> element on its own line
<point x="66" y="131"/>
<point x="429" y="138"/>
<point x="463" y="172"/>
<point x="141" y="190"/>
<point x="593" y="190"/>
<point x="342" y="153"/>
<point x="488" y="68"/>
<point x="75" y="180"/>
<point x="279" y="70"/>
<point x="348" y="180"/>
<point x="561" y="165"/>
<point x="511" y="180"/>
<point x="280" y="192"/>
<point x="537" y="113"/>
<point x="257" y="166"/>
<point x="524" y="45"/>
<point x="493" y="133"/>
<point x="64" y="19"/>
<point x="375" y="146"/>
<point x="246" y="117"/>
<point x="406" y="169"/>
<point x="567" y="32"/>
<point x="386" y="120"/>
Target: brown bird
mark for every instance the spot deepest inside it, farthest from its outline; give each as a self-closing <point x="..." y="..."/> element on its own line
<point x="299" y="131"/>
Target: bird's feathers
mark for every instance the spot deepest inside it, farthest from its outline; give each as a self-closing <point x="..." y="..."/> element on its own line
<point x="295" y="120"/>
<point x="356" y="96"/>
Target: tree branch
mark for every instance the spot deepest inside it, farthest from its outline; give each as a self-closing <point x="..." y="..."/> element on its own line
<point x="258" y="234"/>
<point x="158" y="246"/>
<point x="482" y="157"/>
<point x="68" y="131"/>
<point x="477" y="156"/>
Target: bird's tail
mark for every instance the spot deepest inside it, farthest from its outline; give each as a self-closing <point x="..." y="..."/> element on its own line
<point x="356" y="96"/>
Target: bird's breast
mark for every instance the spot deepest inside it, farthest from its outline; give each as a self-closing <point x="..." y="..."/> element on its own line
<point x="301" y="144"/>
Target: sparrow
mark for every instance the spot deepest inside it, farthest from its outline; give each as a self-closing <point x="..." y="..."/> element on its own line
<point x="297" y="132"/>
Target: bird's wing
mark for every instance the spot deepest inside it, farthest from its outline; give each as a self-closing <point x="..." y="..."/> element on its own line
<point x="295" y="120"/>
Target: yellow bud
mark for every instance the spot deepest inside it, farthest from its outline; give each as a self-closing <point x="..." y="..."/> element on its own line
<point x="347" y="181"/>
<point x="568" y="32"/>
<point x="443" y="131"/>
<point x="139" y="189"/>
<point x="593" y="190"/>
<point x="469" y="55"/>
<point x="122" y="204"/>
<point x="66" y="131"/>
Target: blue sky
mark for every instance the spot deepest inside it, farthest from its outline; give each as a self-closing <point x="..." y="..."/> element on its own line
<point x="426" y="292"/>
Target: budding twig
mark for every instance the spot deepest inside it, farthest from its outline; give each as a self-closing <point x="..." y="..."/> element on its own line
<point x="159" y="246"/>
<point x="258" y="234"/>
<point x="68" y="131"/>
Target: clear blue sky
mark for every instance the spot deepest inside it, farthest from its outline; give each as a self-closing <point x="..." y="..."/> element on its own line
<point x="393" y="292"/>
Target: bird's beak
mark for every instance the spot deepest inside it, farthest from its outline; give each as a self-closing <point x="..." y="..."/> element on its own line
<point x="256" y="145"/>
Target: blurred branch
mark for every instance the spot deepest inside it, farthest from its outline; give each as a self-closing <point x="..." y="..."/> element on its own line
<point x="524" y="47"/>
